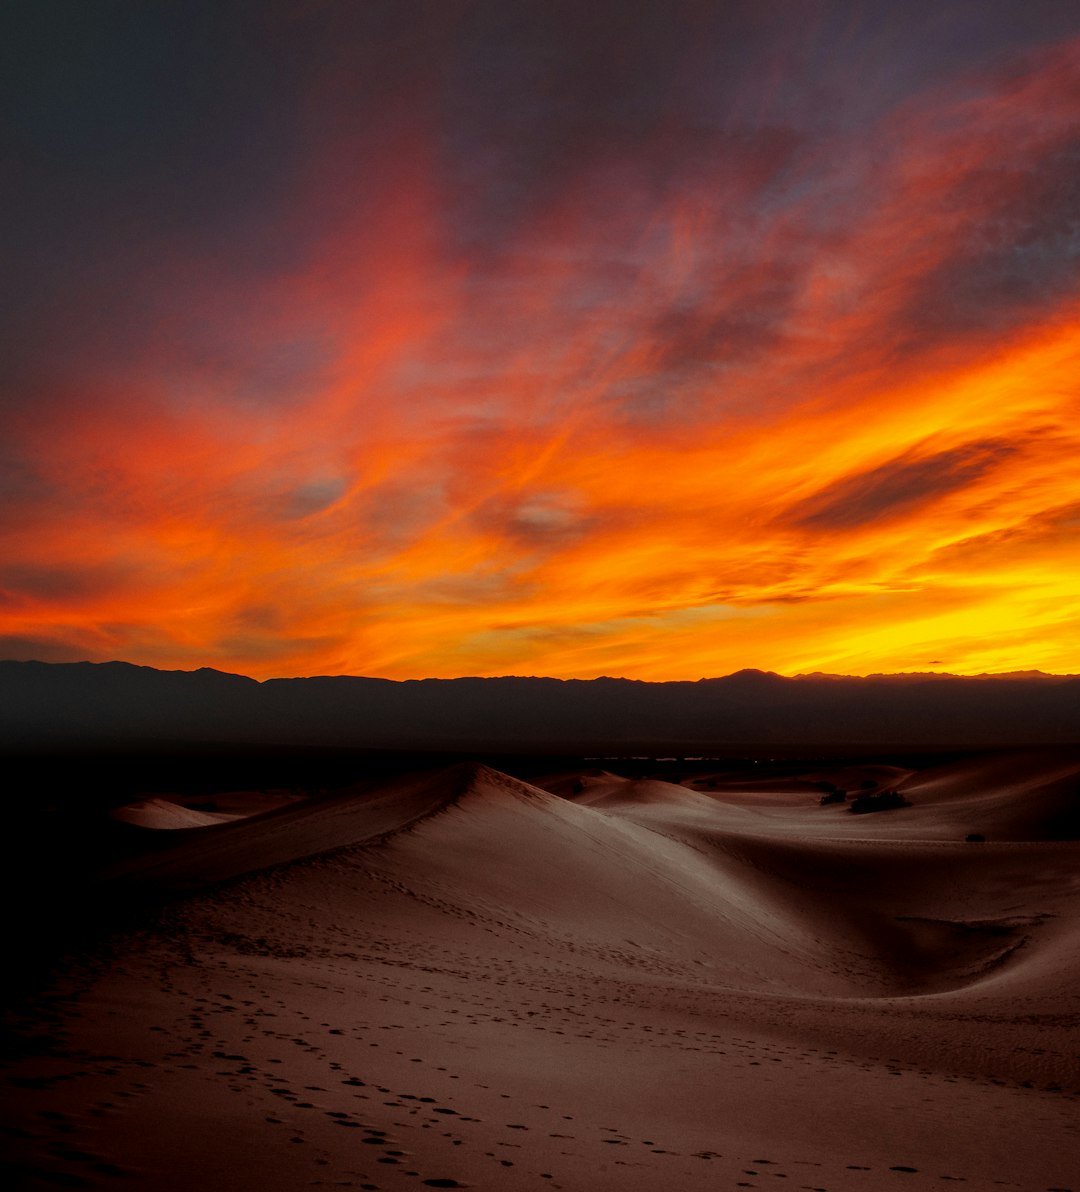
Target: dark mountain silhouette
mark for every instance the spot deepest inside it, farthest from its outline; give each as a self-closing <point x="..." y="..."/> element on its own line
<point x="116" y="704"/>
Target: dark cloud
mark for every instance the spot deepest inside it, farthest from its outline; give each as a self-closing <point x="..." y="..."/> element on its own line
<point x="1019" y="254"/>
<point x="17" y="648"/>
<point x="60" y="584"/>
<point x="1057" y="528"/>
<point x="309" y="498"/>
<point x="21" y="484"/>
<point x="157" y="166"/>
<point x="728" y="327"/>
<point x="533" y="95"/>
<point x="901" y="486"/>
<point x="535" y="521"/>
<point x="159" y="158"/>
<point x="141" y="140"/>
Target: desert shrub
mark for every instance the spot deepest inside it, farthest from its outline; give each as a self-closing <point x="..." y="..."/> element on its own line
<point x="975" y="838"/>
<point x="834" y="796"/>
<point x="881" y="801"/>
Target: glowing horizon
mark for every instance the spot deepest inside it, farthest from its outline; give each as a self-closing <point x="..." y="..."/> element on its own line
<point x="773" y="369"/>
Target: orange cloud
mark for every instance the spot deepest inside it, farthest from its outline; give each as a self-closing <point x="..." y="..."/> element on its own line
<point x="770" y="420"/>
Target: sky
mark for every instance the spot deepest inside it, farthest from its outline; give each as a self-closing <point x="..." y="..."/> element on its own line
<point x="418" y="338"/>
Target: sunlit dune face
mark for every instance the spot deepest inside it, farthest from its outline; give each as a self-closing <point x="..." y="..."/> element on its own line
<point x="800" y="398"/>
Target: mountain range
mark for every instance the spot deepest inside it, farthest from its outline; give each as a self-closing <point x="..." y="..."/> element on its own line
<point x="117" y="704"/>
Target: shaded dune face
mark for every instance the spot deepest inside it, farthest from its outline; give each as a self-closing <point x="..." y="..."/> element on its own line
<point x="778" y="897"/>
<point x="172" y="813"/>
<point x="167" y="815"/>
<point x="1023" y="797"/>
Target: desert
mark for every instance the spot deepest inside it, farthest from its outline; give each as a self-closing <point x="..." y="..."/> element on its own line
<point x="606" y="975"/>
<point x="540" y="595"/>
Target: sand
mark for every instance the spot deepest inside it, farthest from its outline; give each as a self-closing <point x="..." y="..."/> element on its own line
<point x="460" y="979"/>
<point x="166" y="812"/>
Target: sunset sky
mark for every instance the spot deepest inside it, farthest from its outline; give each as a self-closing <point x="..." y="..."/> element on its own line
<point x="443" y="338"/>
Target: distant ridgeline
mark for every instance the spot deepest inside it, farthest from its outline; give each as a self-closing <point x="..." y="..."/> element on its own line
<point x="115" y="704"/>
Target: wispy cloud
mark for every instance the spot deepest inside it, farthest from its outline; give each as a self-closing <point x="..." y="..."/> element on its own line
<point x="517" y="339"/>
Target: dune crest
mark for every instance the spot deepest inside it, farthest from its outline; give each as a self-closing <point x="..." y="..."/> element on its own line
<point x="168" y="815"/>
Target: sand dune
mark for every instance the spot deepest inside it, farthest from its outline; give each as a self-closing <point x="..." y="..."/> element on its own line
<point x="167" y="815"/>
<point x="294" y="832"/>
<point x="460" y="979"/>
<point x="163" y="812"/>
<point x="610" y="791"/>
<point x="1022" y="796"/>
